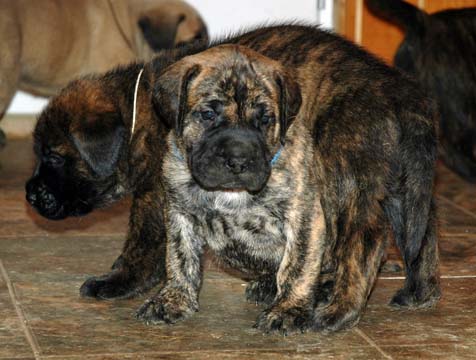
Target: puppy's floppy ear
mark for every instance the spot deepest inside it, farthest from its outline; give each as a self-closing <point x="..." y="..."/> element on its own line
<point x="289" y="102"/>
<point x="160" y="28"/>
<point x="171" y="94"/>
<point x="99" y="141"/>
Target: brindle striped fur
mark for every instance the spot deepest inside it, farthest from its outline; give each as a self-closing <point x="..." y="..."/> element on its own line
<point x="356" y="170"/>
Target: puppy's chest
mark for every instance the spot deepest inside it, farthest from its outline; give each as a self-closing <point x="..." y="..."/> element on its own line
<point x="245" y="230"/>
<point x="244" y="233"/>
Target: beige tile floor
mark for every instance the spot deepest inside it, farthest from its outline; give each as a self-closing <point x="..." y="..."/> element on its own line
<point x="43" y="263"/>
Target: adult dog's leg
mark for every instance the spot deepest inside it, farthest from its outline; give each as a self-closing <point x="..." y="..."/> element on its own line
<point x="141" y="265"/>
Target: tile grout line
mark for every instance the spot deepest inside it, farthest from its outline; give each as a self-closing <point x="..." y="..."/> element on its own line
<point x="29" y="335"/>
<point x="459" y="207"/>
<point x="372" y="343"/>
<point x="441" y="277"/>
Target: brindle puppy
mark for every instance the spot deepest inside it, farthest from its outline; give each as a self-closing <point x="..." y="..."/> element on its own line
<point x="282" y="167"/>
<point x="88" y="157"/>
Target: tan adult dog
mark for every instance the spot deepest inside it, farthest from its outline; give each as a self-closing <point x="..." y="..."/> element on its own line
<point x="47" y="43"/>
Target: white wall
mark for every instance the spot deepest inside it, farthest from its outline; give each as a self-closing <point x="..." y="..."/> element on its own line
<point x="223" y="17"/>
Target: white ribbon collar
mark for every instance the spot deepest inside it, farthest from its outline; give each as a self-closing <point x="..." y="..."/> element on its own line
<point x="134" y="110"/>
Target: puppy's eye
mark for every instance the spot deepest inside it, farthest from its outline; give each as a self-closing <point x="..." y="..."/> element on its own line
<point x="266" y="120"/>
<point x="54" y="160"/>
<point x="208" y="115"/>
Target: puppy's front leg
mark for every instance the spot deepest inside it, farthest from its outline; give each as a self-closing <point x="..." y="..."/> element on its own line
<point x="178" y="299"/>
<point x="298" y="274"/>
<point x="141" y="264"/>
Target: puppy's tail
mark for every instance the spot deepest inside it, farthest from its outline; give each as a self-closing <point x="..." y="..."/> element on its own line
<point x="404" y="15"/>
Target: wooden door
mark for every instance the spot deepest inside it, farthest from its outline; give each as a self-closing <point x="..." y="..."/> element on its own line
<point x="354" y="21"/>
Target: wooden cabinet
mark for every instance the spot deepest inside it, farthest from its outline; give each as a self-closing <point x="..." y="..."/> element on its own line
<point x="353" y="20"/>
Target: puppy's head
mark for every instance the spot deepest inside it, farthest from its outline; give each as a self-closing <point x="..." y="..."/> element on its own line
<point x="230" y="108"/>
<point x="78" y="142"/>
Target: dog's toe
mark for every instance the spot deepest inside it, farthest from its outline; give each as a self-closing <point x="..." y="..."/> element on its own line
<point x="416" y="299"/>
<point x="89" y="288"/>
<point x="334" y="318"/>
<point x="99" y="288"/>
<point x="284" y="321"/>
<point x="168" y="306"/>
<point x="109" y="286"/>
<point x="151" y="313"/>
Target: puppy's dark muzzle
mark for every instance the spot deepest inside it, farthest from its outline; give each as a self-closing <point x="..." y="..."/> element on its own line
<point x="43" y="200"/>
<point x="233" y="159"/>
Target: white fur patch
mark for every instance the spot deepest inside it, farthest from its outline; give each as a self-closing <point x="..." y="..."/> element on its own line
<point x="230" y="200"/>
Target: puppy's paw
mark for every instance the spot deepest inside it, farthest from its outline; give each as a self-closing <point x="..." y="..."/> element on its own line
<point x="261" y="291"/>
<point x="168" y="306"/>
<point x="114" y="285"/>
<point x="284" y="321"/>
<point x="118" y="284"/>
<point x="334" y="317"/>
<point x="407" y="299"/>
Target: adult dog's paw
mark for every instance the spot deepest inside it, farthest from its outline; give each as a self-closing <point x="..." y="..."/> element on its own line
<point x="284" y="320"/>
<point x="168" y="306"/>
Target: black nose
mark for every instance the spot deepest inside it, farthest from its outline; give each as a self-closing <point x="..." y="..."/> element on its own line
<point x="237" y="165"/>
<point x="31" y="198"/>
<point x="40" y="197"/>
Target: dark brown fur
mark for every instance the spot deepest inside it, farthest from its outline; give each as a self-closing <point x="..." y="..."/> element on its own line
<point x="439" y="51"/>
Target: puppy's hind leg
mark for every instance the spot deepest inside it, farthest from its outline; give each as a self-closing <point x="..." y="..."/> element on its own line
<point x="420" y="253"/>
<point x="358" y="258"/>
<point x="141" y="265"/>
<point x="416" y="231"/>
<point x="261" y="290"/>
